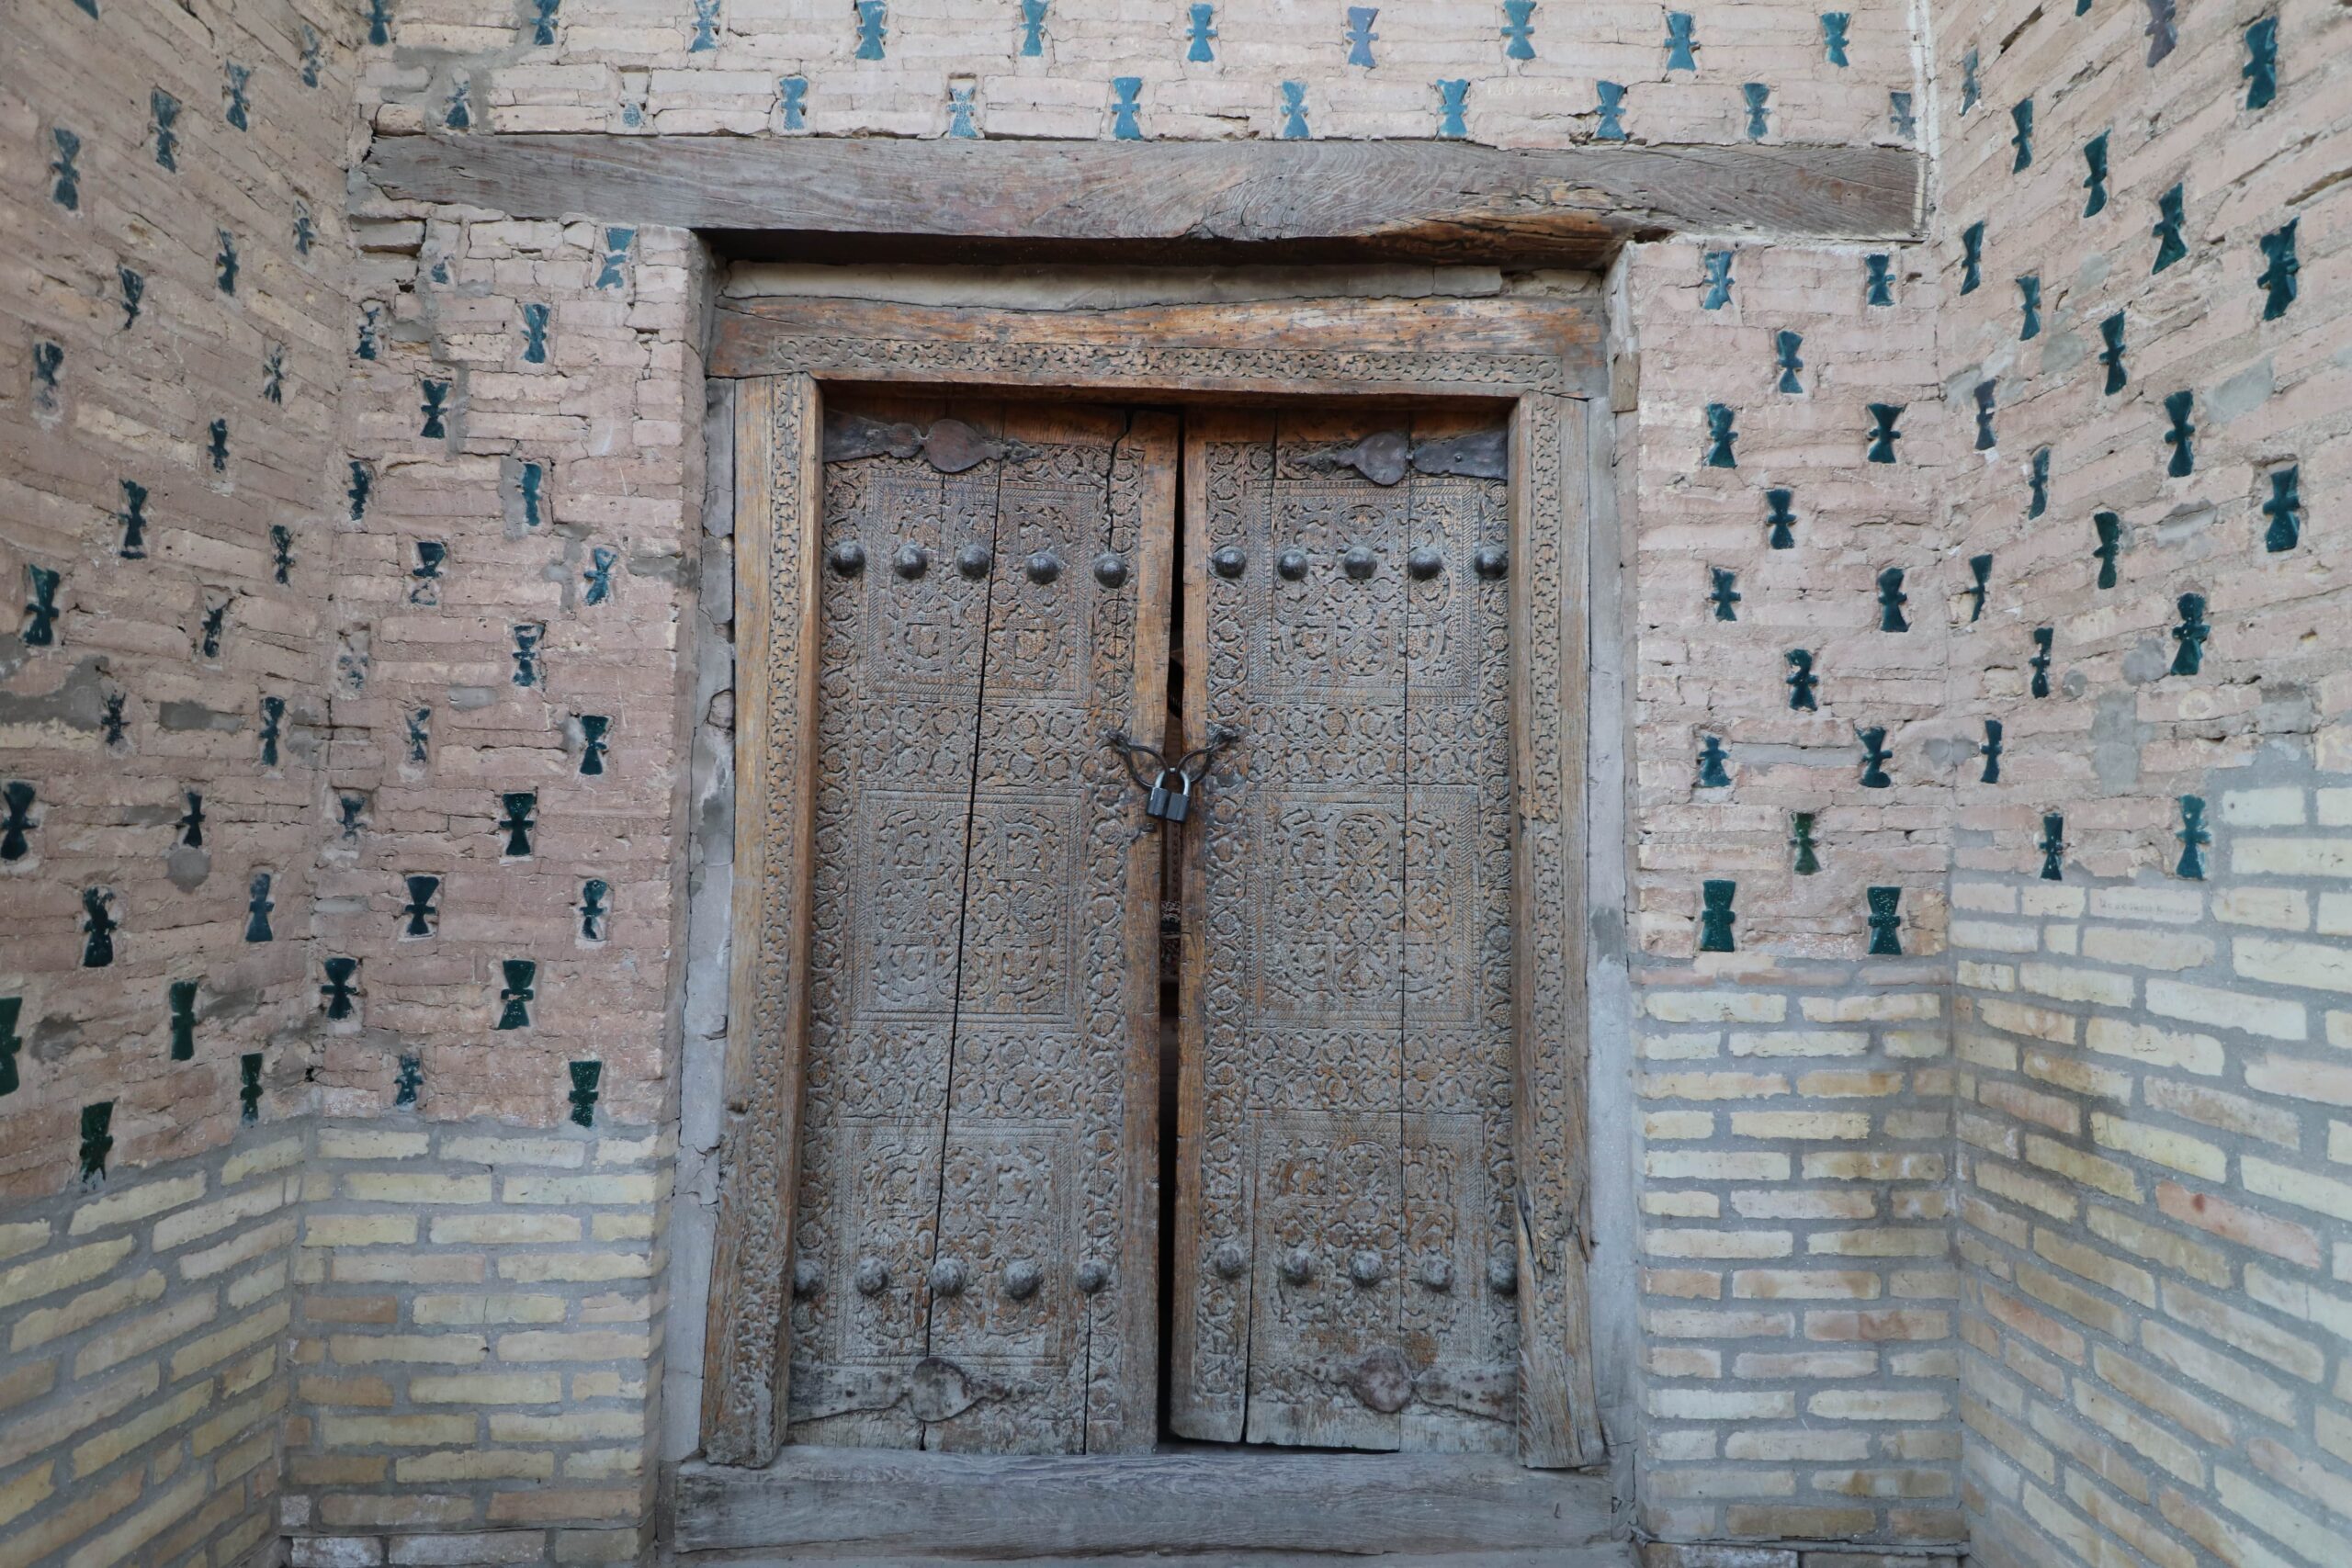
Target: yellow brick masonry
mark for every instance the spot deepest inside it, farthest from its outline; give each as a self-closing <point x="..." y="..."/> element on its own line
<point x="477" y="1344"/>
<point x="143" y="1317"/>
<point x="142" y="1368"/>
<point x="1797" y="1290"/>
<point x="2157" y="1234"/>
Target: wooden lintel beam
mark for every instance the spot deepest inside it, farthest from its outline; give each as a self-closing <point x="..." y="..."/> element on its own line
<point x="885" y="198"/>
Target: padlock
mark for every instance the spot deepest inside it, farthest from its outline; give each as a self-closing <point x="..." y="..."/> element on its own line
<point x="1171" y="805"/>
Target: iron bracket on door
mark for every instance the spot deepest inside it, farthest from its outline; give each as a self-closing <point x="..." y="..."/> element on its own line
<point x="1168" y="794"/>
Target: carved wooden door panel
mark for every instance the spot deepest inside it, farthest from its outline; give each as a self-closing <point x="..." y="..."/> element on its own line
<point x="975" y="1266"/>
<point x="1344" y="1255"/>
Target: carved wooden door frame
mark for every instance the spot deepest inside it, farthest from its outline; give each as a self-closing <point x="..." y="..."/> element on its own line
<point x="1536" y="356"/>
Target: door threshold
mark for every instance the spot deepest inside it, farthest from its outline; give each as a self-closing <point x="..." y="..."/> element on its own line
<point x="1613" y="1555"/>
<point x="1240" y="1507"/>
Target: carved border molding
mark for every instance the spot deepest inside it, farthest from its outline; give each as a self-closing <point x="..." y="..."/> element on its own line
<point x="778" y="493"/>
<point x="748" y="346"/>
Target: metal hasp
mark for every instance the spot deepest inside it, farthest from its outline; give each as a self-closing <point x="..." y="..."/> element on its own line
<point x="1168" y="794"/>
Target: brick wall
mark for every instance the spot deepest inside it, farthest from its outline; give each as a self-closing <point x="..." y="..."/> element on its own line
<point x="479" y="1335"/>
<point x="964" y="67"/>
<point x="2154" y="1158"/>
<point x="2119" y="1282"/>
<point x="452" y="289"/>
<point x="175" y="332"/>
<point x="479" y="1341"/>
<point x="498" y="489"/>
<point x="174" y="349"/>
<point x="144" y="1377"/>
<point x="505" y="769"/>
<point x="1796" y="1294"/>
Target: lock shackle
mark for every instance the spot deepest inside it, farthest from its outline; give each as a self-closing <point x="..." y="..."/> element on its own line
<point x="1186" y="771"/>
<point x="1193" y="764"/>
<point x="1129" y="750"/>
<point x="1221" y="737"/>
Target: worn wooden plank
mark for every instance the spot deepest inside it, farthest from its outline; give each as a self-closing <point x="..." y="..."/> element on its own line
<point x="980" y="1268"/>
<point x="1615" y="1554"/>
<point x="1346" y="1040"/>
<point x="1455" y="1111"/>
<point x="1153" y="445"/>
<point x="888" y="199"/>
<point x="1558" y="1419"/>
<point x="1569" y="935"/>
<point x="891" y="1503"/>
<point x="1465" y="324"/>
<point x="1494" y="347"/>
<point x="747" y="1363"/>
<point x="898" y="662"/>
<point x="1208" y="1331"/>
<point x="1034" y="1163"/>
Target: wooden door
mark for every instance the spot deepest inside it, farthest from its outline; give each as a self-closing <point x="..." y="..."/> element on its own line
<point x="976" y="1263"/>
<point x="1344" y="1255"/>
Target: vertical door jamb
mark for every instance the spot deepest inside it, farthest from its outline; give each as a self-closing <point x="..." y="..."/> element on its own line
<point x="1559" y="1425"/>
<point x="779" y="506"/>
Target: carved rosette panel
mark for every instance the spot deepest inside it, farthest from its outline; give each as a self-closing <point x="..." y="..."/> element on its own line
<point x="965" y="1088"/>
<point x="1345" y="1110"/>
<point x="1458" y="1085"/>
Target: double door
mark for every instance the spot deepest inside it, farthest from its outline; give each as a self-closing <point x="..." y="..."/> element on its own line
<point x="980" y="1213"/>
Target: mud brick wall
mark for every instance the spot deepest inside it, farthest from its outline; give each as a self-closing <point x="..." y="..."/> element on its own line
<point x="2155" y="1148"/>
<point x="527" y="412"/>
<point x="478" y="1333"/>
<point x="174" y="189"/>
<point x="1792" y="1066"/>
<point x="172" y="186"/>
<point x="1510" y="75"/>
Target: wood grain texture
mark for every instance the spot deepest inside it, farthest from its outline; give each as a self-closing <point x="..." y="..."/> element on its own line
<point x="899" y="661"/>
<point x="1496" y="347"/>
<point x="889" y="1503"/>
<point x="1132" y="1314"/>
<point x="1614" y="1554"/>
<point x="1195" y="1409"/>
<point x="1345" y="1112"/>
<point x="970" y="1228"/>
<point x="747" y="1361"/>
<point x="1163" y="202"/>
<point x="1558" y="1414"/>
<point x="1463" y="350"/>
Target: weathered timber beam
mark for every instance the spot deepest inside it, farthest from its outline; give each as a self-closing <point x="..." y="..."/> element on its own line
<point x="891" y="1504"/>
<point x="821" y="197"/>
<point x="1491" y="347"/>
